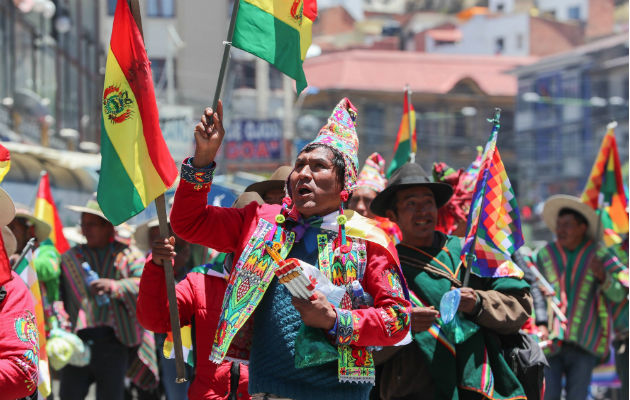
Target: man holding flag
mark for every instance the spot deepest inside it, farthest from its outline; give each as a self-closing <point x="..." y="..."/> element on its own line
<point x="585" y="274"/>
<point x="584" y="279"/>
<point x="434" y="366"/>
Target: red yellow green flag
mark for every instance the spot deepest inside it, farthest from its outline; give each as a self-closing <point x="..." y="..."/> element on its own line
<point x="136" y="166"/>
<point x="406" y="140"/>
<point x="278" y="31"/>
<point x="5" y="161"/>
<point x="606" y="180"/>
<point x="46" y="210"/>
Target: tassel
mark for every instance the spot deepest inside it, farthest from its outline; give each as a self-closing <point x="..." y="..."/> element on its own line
<point x="341" y="220"/>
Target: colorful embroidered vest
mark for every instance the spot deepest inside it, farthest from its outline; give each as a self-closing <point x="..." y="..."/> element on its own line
<point x="254" y="271"/>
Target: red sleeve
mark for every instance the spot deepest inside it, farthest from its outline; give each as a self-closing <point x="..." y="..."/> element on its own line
<point x="387" y="322"/>
<point x="152" y="304"/>
<point x="18" y="343"/>
<point x="219" y="228"/>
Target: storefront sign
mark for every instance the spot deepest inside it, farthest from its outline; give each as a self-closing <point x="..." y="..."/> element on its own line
<point x="254" y="141"/>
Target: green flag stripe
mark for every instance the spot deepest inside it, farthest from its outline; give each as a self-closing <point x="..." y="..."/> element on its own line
<point x="117" y="195"/>
<point x="400" y="158"/>
<point x="264" y="36"/>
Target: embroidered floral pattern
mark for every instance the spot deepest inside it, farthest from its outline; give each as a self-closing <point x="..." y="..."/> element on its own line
<point x="344" y="327"/>
<point x="391" y="280"/>
<point x="395" y="319"/>
<point x="26" y="331"/>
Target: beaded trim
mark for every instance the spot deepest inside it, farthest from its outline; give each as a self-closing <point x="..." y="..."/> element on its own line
<point x="200" y="177"/>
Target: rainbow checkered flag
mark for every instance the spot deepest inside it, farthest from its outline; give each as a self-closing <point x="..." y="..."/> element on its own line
<point x="494" y="222"/>
<point x="606" y="181"/>
<point x="187" y="345"/>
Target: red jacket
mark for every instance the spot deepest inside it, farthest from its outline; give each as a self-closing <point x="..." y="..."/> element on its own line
<point x="19" y="341"/>
<point x="200" y="297"/>
<point x="230" y="229"/>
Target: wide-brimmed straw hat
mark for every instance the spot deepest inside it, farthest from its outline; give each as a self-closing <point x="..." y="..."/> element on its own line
<point x="247" y="197"/>
<point x="7" y="208"/>
<point x="276" y="181"/>
<point x="554" y="204"/>
<point x="8" y="238"/>
<point x="42" y="228"/>
<point x="410" y="174"/>
<point x="142" y="233"/>
<point x="91" y="207"/>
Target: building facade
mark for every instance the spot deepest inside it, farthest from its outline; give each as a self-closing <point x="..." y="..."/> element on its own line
<point x="453" y="96"/>
<point x="50" y="69"/>
<point x="563" y="107"/>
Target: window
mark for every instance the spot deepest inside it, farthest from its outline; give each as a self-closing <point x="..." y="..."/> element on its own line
<point x="519" y="41"/>
<point x="158" y="69"/>
<point x="499" y="45"/>
<point x="111" y="7"/>
<point x="161" y="8"/>
<point x="245" y="75"/>
<point x="574" y="12"/>
<point x="374" y="124"/>
<point x="275" y="78"/>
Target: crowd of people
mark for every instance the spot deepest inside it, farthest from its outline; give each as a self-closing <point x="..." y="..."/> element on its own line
<point x="386" y="252"/>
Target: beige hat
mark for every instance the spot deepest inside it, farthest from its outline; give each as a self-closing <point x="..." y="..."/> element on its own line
<point x="42" y="228"/>
<point x="246" y="198"/>
<point x="10" y="243"/>
<point x="142" y="233"/>
<point x="7" y="208"/>
<point x="91" y="207"/>
<point x="277" y="181"/>
<point x="554" y="204"/>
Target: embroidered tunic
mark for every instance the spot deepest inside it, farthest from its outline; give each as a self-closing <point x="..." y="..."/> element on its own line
<point x="117" y="262"/>
<point x="243" y="231"/>
<point x="582" y="295"/>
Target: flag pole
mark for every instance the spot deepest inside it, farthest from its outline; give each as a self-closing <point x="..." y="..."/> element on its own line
<point x="39" y="183"/>
<point x="227" y="45"/>
<point x="412" y="154"/>
<point x="160" y="206"/>
<point x="470" y="256"/>
<point x="29" y="246"/>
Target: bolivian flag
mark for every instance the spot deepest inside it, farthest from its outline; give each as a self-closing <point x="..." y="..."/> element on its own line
<point x="606" y="179"/>
<point x="46" y="210"/>
<point x="136" y="166"/>
<point x="278" y="31"/>
<point x="406" y="139"/>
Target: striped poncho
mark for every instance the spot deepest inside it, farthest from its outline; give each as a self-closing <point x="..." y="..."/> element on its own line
<point x="584" y="298"/>
<point x="117" y="262"/>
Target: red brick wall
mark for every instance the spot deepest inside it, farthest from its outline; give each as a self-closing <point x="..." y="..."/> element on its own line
<point x="548" y="37"/>
<point x="601" y="18"/>
<point x="332" y="21"/>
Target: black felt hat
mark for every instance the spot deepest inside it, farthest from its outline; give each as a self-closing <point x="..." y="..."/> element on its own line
<point x="410" y="174"/>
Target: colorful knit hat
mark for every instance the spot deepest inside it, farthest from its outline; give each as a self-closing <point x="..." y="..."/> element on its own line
<point x="340" y="134"/>
<point x="372" y="175"/>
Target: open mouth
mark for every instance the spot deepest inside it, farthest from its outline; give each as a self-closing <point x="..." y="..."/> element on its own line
<point x="423" y="222"/>
<point x="303" y="190"/>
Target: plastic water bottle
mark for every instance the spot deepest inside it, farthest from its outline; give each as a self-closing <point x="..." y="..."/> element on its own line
<point x="91" y="276"/>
